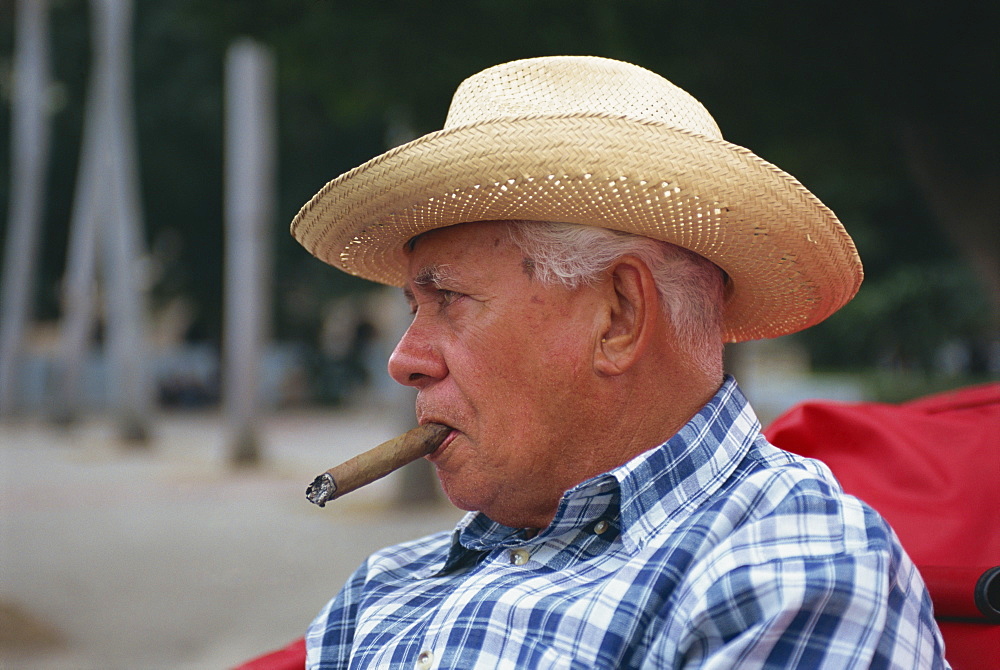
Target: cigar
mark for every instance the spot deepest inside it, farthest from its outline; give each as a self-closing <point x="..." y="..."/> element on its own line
<point x="376" y="463"/>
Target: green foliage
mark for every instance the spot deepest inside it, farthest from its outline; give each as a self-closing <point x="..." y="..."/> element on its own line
<point x="902" y="319"/>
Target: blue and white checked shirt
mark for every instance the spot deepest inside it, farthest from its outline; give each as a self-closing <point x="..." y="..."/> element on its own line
<point x="714" y="550"/>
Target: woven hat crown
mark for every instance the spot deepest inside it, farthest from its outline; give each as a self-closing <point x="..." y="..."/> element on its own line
<point x="569" y="85"/>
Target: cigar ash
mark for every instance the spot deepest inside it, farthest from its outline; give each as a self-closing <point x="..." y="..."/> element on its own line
<point x="321" y="489"/>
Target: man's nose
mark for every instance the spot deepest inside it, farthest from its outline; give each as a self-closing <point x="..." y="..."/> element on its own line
<point x="416" y="361"/>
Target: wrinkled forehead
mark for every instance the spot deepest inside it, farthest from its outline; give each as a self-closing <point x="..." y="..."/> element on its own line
<point x="469" y="228"/>
<point x="472" y="242"/>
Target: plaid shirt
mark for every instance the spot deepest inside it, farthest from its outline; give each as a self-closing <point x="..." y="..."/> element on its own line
<point x="714" y="550"/>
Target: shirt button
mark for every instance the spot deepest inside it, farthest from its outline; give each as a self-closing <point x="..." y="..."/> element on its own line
<point x="425" y="660"/>
<point x="519" y="556"/>
<point x="600" y="526"/>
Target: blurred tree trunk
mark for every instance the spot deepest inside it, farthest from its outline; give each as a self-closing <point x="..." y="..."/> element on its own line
<point x="250" y="191"/>
<point x="30" y="133"/>
<point x="127" y="341"/>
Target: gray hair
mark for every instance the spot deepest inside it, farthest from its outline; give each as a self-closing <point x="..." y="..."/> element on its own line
<point x="691" y="288"/>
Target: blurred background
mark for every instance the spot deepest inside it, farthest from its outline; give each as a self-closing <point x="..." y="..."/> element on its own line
<point x="169" y="349"/>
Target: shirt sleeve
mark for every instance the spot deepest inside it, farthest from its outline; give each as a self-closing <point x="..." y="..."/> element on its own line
<point x="331" y="635"/>
<point x="851" y="610"/>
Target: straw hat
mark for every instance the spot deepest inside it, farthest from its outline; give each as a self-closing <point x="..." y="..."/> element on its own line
<point x="604" y="143"/>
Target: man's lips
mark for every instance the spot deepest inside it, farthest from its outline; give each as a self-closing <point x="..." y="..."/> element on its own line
<point x="444" y="445"/>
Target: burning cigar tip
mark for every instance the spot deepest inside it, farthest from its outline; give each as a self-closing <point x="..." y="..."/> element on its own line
<point x="321" y="489"/>
<point x="376" y="463"/>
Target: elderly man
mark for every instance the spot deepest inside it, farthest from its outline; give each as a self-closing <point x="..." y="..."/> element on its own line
<point x="576" y="245"/>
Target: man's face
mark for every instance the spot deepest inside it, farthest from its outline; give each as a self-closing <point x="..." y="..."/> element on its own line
<point x="507" y="363"/>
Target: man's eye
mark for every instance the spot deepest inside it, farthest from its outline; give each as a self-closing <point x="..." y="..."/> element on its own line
<point x="446" y="297"/>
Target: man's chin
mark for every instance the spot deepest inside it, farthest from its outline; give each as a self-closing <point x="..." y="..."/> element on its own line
<point x="457" y="497"/>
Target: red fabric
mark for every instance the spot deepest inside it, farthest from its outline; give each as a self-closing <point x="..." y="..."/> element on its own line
<point x="971" y="646"/>
<point x="931" y="467"/>
<point x="292" y="657"/>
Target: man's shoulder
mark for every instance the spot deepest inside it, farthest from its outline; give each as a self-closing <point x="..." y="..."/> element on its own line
<point x="783" y="504"/>
<point x="773" y="474"/>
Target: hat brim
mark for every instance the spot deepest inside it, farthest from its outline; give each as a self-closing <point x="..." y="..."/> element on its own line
<point x="790" y="261"/>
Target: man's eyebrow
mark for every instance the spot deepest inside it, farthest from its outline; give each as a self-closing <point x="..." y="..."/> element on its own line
<point x="429" y="276"/>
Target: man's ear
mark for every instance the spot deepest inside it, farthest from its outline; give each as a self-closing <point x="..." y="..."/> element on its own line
<point x="632" y="311"/>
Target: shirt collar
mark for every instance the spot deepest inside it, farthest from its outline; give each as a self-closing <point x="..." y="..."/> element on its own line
<point x="664" y="485"/>
<point x="653" y="490"/>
